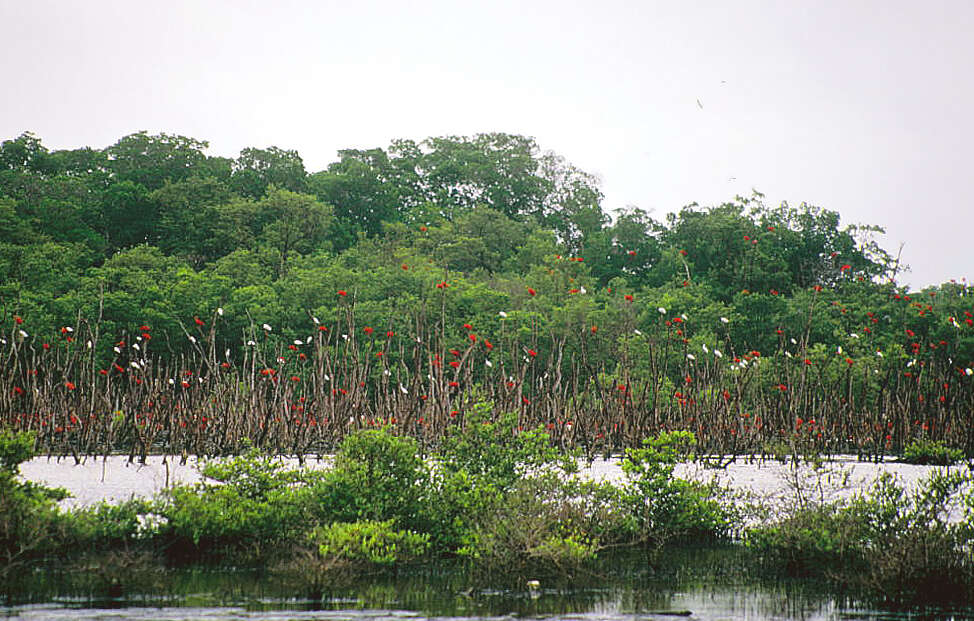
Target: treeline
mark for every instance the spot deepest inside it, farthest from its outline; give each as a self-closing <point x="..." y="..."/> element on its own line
<point x="415" y="280"/>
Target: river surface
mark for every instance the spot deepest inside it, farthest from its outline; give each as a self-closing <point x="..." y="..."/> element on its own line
<point x="702" y="584"/>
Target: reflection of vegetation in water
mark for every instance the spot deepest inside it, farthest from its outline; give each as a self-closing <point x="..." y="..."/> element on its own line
<point x="685" y="579"/>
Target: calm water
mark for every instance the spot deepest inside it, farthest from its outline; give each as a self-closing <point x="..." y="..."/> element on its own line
<point x="697" y="584"/>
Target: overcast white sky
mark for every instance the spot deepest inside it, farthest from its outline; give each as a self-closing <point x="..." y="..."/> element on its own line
<point x="865" y="108"/>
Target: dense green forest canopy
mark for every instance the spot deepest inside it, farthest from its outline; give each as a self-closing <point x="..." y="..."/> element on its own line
<point x="152" y="230"/>
<point x="414" y="282"/>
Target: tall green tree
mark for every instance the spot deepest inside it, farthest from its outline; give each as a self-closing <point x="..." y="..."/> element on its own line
<point x="152" y="160"/>
<point x="255" y="170"/>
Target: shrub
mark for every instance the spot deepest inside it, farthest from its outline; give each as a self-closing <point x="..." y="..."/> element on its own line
<point x="377" y="476"/>
<point x="477" y="466"/>
<point x="538" y="521"/>
<point x="899" y="546"/>
<point x="105" y="526"/>
<point x="930" y="452"/>
<point x="369" y="542"/>
<point x="29" y="517"/>
<point x="498" y="450"/>
<point x="256" y="501"/>
<point x="665" y="507"/>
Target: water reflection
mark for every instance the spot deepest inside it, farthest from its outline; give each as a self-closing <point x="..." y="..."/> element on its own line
<point x="699" y="583"/>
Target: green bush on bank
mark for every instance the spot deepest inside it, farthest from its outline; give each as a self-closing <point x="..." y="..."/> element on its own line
<point x="376" y="476"/>
<point x="930" y="452"/>
<point x="666" y="507"/>
<point x="907" y="546"/>
<point x="493" y="493"/>
<point x="29" y="525"/>
<point x="502" y="498"/>
<point x="254" y="501"/>
<point x="369" y="542"/>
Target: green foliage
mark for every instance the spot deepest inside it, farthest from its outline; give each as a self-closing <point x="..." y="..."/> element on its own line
<point x="477" y="467"/>
<point x="666" y="507"/>
<point x="15" y="448"/>
<point x="541" y="520"/>
<point x="497" y="451"/>
<point x="376" y="476"/>
<point x="897" y="544"/>
<point x="107" y="526"/>
<point x="808" y="541"/>
<point x="256" y="501"/>
<point x="370" y="542"/>
<point x="924" y="451"/>
<point x="29" y="524"/>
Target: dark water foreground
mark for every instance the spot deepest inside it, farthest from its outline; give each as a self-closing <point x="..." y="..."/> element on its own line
<point x="683" y="583"/>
